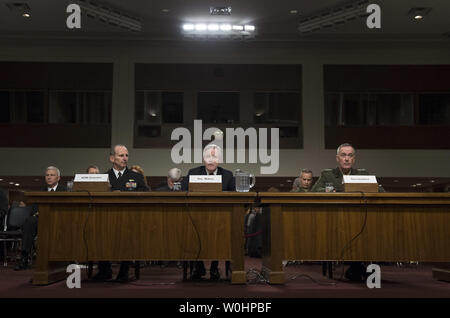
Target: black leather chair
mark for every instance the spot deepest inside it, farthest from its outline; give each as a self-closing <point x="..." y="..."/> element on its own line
<point x="12" y="227"/>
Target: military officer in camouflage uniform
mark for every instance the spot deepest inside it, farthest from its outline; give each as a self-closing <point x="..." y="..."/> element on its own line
<point x="304" y="182"/>
<point x="345" y="158"/>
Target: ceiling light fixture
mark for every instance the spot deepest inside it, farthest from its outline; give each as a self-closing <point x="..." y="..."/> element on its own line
<point x="21" y="8"/>
<point x="418" y="13"/>
<point x="110" y="15"/>
<point x="214" y="30"/>
<point x="333" y="16"/>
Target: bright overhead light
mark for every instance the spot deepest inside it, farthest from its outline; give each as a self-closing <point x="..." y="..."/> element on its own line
<point x="419" y="13"/>
<point x="213" y="27"/>
<point x="21" y="8"/>
<point x="214" y="30"/>
<point x="200" y="27"/>
<point x="188" y="27"/>
<point x="225" y="27"/>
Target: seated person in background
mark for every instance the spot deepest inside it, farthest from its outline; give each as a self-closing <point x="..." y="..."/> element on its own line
<point x="173" y="176"/>
<point x="121" y="179"/>
<point x="345" y="158"/>
<point x="304" y="182"/>
<point x="93" y="170"/>
<point x="29" y="228"/>
<point x="211" y="157"/>
<point x="138" y="169"/>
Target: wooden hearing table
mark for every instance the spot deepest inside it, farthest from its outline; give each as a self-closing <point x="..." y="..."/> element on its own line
<point x="116" y="226"/>
<point x="325" y="226"/>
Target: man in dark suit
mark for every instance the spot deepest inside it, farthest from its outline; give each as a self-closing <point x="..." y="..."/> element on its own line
<point x="173" y="181"/>
<point x="29" y="228"/>
<point x="211" y="157"/>
<point x="121" y="179"/>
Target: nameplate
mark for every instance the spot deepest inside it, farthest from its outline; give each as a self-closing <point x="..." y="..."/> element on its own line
<point x="205" y="183"/>
<point x="354" y="183"/>
<point x="91" y="182"/>
<point x="359" y="179"/>
<point x="80" y="177"/>
<point x="205" y="179"/>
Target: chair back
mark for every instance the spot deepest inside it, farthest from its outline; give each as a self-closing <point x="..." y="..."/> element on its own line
<point x="17" y="216"/>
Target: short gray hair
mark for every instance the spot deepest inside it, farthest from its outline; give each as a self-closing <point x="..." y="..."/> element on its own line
<point x="306" y="171"/>
<point x="92" y="167"/>
<point x="113" y="149"/>
<point x="54" y="168"/>
<point x="174" y="174"/>
<point x="345" y="145"/>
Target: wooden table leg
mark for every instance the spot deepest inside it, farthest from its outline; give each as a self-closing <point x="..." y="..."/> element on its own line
<point x="273" y="250"/>
<point x="46" y="272"/>
<point x="237" y="245"/>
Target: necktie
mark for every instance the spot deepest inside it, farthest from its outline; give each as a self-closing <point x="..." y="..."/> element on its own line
<point x="119" y="175"/>
<point x="52" y="190"/>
